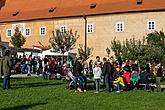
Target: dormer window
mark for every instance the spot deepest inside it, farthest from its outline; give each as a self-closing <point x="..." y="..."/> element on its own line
<point x="93" y="6"/>
<point x="15" y="13"/>
<point x="139" y="2"/>
<point x="51" y="10"/>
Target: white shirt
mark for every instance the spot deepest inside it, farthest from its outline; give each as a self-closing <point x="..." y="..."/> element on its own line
<point x="97" y="73"/>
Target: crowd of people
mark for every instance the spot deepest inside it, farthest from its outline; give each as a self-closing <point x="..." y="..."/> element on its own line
<point x="115" y="75"/>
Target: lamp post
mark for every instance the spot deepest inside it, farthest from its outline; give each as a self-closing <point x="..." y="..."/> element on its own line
<point x="84" y="16"/>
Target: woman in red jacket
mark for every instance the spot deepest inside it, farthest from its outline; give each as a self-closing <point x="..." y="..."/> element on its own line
<point x="126" y="77"/>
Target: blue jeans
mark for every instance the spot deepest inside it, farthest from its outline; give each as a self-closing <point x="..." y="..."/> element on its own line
<point x="28" y="68"/>
<point x="108" y="83"/>
<point x="97" y="84"/>
<point x="80" y="82"/>
<point x="85" y="83"/>
<point x="23" y="68"/>
<point x="6" y="82"/>
<point x="43" y="75"/>
<point x="119" y="87"/>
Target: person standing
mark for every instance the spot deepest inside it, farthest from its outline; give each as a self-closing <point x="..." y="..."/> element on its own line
<point x="6" y="67"/>
<point x="1" y="72"/>
<point x="97" y="76"/>
<point x="159" y="74"/>
<point x="97" y="60"/>
<point x="107" y="72"/>
<point x="90" y="69"/>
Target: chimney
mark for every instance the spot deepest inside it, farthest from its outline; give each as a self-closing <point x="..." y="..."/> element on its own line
<point x="139" y="2"/>
<point x="52" y="9"/>
<point x="93" y="5"/>
<point x="15" y="13"/>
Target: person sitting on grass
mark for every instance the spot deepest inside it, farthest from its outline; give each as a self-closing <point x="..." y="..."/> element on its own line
<point x="144" y="79"/>
<point x="126" y="77"/>
<point x="118" y="83"/>
<point x="97" y="76"/>
<point x="135" y="77"/>
<point x="75" y="81"/>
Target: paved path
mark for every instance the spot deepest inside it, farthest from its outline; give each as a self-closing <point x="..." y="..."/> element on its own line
<point x="23" y="75"/>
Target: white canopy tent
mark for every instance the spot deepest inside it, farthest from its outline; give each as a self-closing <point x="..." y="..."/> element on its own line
<point x="50" y="52"/>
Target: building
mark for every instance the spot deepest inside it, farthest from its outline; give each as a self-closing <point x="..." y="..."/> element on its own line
<point x="3" y="47"/>
<point x="106" y="19"/>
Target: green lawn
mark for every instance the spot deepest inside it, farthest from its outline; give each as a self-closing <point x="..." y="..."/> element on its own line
<point x="37" y="94"/>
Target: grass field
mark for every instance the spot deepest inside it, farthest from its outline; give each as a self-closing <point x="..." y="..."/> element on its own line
<point x="37" y="94"/>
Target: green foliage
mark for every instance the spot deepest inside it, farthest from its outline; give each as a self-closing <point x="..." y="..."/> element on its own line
<point x="116" y="47"/>
<point x="150" y="49"/>
<point x="17" y="40"/>
<point x="63" y="41"/>
<point x="84" y="55"/>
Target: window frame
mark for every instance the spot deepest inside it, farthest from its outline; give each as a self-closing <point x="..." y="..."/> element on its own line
<point x="7" y="32"/>
<point x="92" y="28"/>
<point x="29" y="31"/>
<point x="64" y="27"/>
<point x="41" y="32"/>
<point x="148" y="25"/>
<point x="119" y="29"/>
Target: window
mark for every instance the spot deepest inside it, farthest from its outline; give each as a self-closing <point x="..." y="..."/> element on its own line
<point x="63" y="28"/>
<point x="28" y="32"/>
<point x="151" y="25"/>
<point x="120" y="27"/>
<point x="90" y="28"/>
<point x="42" y="31"/>
<point x="9" y="32"/>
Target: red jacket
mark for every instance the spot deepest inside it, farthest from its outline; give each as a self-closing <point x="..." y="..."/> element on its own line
<point x="126" y="77"/>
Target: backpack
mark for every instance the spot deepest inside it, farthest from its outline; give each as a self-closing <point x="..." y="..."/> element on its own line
<point x="134" y="74"/>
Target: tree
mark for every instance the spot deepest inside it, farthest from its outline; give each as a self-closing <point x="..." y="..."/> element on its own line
<point x="151" y="49"/>
<point x="116" y="47"/>
<point x="156" y="42"/>
<point x="84" y="55"/>
<point x="156" y="39"/>
<point x="17" y="40"/>
<point x="63" y="41"/>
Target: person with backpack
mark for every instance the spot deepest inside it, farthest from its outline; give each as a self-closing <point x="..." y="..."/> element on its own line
<point x="135" y="77"/>
<point x="6" y="68"/>
<point x="107" y="72"/>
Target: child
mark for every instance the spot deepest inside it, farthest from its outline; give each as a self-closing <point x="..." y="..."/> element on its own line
<point x="118" y="83"/>
<point x="135" y="77"/>
<point x="97" y="76"/>
<point x="126" y="77"/>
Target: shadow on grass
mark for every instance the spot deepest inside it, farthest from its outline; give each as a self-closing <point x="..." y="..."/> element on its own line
<point x="37" y="84"/>
<point x="23" y="107"/>
<point x="1" y="79"/>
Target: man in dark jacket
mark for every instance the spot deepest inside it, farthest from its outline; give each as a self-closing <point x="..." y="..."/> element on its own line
<point x="144" y="78"/>
<point x="6" y="68"/>
<point x="107" y="72"/>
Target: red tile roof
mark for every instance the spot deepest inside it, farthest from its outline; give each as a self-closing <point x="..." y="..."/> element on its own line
<point x="39" y="9"/>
